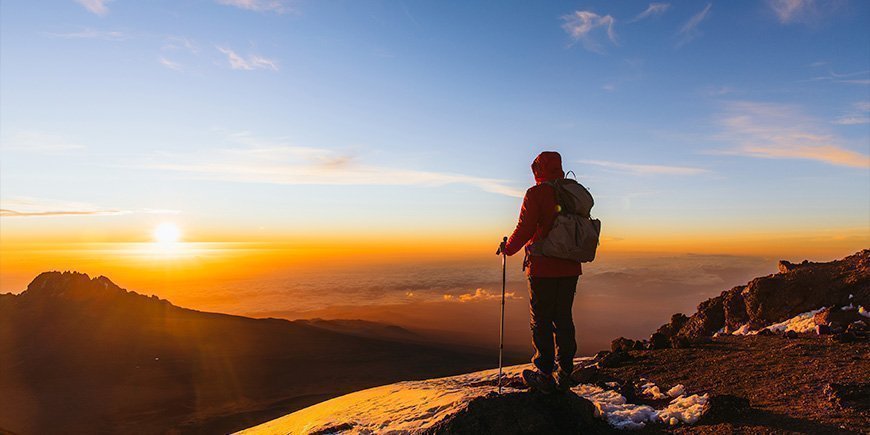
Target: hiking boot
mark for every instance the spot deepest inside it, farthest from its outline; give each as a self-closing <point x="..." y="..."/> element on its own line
<point x="563" y="381"/>
<point x="539" y="382"/>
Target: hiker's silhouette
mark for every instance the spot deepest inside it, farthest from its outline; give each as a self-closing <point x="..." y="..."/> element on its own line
<point x="552" y="281"/>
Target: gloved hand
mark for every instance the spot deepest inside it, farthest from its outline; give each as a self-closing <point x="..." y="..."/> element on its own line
<point x="501" y="246"/>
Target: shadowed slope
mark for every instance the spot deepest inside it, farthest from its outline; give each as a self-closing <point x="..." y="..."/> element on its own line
<point x="85" y="355"/>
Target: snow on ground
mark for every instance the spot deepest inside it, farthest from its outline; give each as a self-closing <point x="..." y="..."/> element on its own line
<point x="801" y="323"/>
<point x="684" y="409"/>
<point x="652" y="390"/>
<point x="413" y="406"/>
<point x="677" y="391"/>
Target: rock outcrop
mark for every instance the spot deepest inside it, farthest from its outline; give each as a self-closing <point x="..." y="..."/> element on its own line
<point x="522" y="413"/>
<point x="796" y="289"/>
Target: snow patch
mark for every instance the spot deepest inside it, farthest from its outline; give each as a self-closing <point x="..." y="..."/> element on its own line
<point x="652" y="390"/>
<point x="801" y="323"/>
<point x="744" y="330"/>
<point x="612" y="407"/>
<point x="684" y="409"/>
<point x="677" y="391"/>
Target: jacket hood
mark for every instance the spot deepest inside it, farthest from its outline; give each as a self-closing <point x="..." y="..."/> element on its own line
<point x="547" y="166"/>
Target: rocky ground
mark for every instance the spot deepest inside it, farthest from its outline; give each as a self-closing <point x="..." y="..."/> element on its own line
<point x="803" y="385"/>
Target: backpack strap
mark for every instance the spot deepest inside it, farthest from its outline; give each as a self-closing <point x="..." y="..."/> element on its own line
<point x="558" y="190"/>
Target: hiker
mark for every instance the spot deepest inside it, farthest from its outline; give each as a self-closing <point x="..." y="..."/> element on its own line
<point x="552" y="281"/>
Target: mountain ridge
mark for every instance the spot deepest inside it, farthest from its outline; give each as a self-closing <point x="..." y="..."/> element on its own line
<point x="86" y="355"/>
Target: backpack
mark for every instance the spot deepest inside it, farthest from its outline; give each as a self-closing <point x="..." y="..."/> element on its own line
<point x="574" y="235"/>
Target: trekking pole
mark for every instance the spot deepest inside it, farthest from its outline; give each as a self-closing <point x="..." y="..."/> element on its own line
<point x="501" y="328"/>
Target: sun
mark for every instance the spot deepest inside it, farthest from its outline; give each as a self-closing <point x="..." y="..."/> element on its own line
<point x="166" y="233"/>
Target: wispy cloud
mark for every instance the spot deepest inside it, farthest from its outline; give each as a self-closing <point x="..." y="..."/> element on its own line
<point x="643" y="169"/>
<point x="277" y="162"/>
<point x="855" y="78"/>
<point x="170" y="64"/>
<point x="277" y="6"/>
<point x="859" y="114"/>
<point x="775" y="131"/>
<point x="21" y="207"/>
<point x="690" y="31"/>
<point x="88" y="33"/>
<point x="252" y="62"/>
<point x="479" y="294"/>
<point x="793" y="11"/>
<point x="180" y="43"/>
<point x="654" y="10"/>
<point x="581" y="26"/>
<point x="39" y="142"/>
<point x="95" y="6"/>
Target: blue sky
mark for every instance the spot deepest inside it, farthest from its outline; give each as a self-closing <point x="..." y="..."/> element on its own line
<point x="241" y="117"/>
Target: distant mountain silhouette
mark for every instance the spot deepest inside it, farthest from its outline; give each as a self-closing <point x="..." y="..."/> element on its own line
<point x="82" y="355"/>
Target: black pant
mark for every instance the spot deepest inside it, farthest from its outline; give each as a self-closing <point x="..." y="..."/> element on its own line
<point x="550" y="301"/>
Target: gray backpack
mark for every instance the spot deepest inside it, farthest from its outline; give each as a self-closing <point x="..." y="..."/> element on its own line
<point x="574" y="235"/>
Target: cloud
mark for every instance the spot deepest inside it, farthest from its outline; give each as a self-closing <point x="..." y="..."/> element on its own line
<point x="41" y="207"/>
<point x="581" y="25"/>
<point x="646" y="169"/>
<point x="654" y="10"/>
<point x="479" y="294"/>
<point x="856" y="77"/>
<point x="95" y="6"/>
<point x="775" y="131"/>
<point x="169" y="64"/>
<point x="88" y="33"/>
<point x="794" y="11"/>
<point x="39" y="142"/>
<point x="690" y="31"/>
<point x="252" y="62"/>
<point x="276" y="162"/>
<point x="277" y="6"/>
<point x="859" y="114"/>
<point x="180" y="43"/>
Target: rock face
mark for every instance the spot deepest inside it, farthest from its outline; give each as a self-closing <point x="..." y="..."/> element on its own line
<point x="522" y="413"/>
<point x="796" y="289"/>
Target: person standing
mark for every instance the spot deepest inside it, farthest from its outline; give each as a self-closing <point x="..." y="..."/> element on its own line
<point x="552" y="281"/>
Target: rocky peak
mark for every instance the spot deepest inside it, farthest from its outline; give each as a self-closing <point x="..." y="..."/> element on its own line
<point x="70" y="286"/>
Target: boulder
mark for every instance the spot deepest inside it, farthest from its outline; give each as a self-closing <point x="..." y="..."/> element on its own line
<point x="725" y="407"/>
<point x="522" y="413"/>
<point x="734" y="308"/>
<point x="659" y="341"/>
<point x="709" y="318"/>
<point x="836" y="316"/>
<point x="671" y="328"/>
<point x="612" y="359"/>
<point x="680" y="342"/>
<point x="625" y="344"/>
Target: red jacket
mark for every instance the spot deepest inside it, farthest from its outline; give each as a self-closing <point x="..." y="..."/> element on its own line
<point x="537" y="217"/>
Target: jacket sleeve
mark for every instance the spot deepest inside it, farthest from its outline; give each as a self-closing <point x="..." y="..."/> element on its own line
<point x="526" y="225"/>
